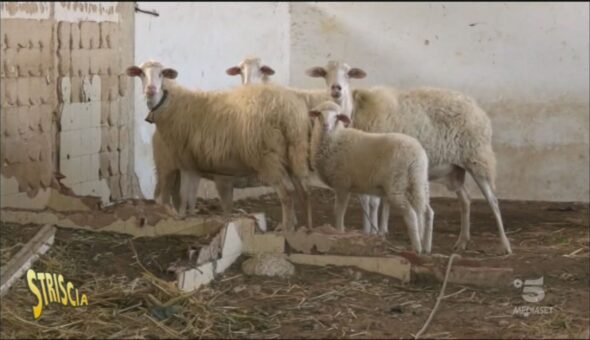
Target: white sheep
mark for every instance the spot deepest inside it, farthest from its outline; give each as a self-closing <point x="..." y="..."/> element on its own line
<point x="256" y="130"/>
<point x="389" y="165"/>
<point x="251" y="70"/>
<point x="167" y="172"/>
<point x="455" y="132"/>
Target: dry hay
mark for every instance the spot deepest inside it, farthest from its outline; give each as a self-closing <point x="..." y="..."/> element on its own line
<point x="135" y="304"/>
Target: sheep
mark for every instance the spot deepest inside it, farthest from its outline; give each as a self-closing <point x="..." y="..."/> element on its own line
<point x="168" y="181"/>
<point x="251" y="130"/>
<point x="167" y="172"/>
<point x="390" y="165"/>
<point x="455" y="132"/>
<point x="251" y="71"/>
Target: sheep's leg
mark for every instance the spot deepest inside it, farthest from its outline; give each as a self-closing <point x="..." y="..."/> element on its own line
<point x="340" y="205"/>
<point x="365" y="201"/>
<point x="374" y="209"/>
<point x="428" y="226"/>
<point x="410" y="218"/>
<point x="465" y="203"/>
<point x="225" y="190"/>
<point x="486" y="189"/>
<point x="287" y="206"/>
<point x="188" y="181"/>
<point x="303" y="191"/>
<point x="174" y="182"/>
<point x="384" y="226"/>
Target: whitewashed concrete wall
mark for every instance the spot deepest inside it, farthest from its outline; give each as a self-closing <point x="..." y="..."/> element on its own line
<point x="526" y="63"/>
<point x="201" y="40"/>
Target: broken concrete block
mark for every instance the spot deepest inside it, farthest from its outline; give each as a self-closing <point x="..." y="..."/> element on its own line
<point x="327" y="240"/>
<point x="23" y="95"/>
<point x="264" y="243"/>
<point x="113" y="139"/>
<point x="194" y="278"/>
<point x="11" y="91"/>
<point x="46" y="173"/>
<point x="15" y="152"/>
<point x="89" y="35"/>
<point x="29" y="62"/>
<point x="75" y="36"/>
<point x="12" y="121"/>
<point x="124" y="161"/>
<point x="64" y="59"/>
<point x="63" y="35"/>
<point x="106" y="30"/>
<point x="105" y="112"/>
<point x="91" y="87"/>
<point x="123" y="138"/>
<point x="76" y="87"/>
<point x="104" y="160"/>
<point x="123" y="84"/>
<point x="394" y="266"/>
<point x="268" y="265"/>
<point x="115" y="113"/>
<point x="64" y="90"/>
<point x="8" y="186"/>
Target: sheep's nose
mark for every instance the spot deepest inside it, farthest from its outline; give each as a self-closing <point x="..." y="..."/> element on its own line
<point x="336" y="87"/>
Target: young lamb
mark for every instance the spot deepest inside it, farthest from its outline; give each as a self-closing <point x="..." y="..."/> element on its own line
<point x="256" y="130"/>
<point x="455" y="132"/>
<point x="252" y="71"/>
<point x="389" y="165"/>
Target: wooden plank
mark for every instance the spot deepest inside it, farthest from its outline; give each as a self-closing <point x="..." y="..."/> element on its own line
<point x="23" y="260"/>
<point x="396" y="267"/>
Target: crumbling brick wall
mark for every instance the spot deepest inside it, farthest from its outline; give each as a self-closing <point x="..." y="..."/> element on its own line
<point x="64" y="99"/>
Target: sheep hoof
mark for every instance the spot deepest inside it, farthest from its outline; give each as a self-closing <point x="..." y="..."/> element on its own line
<point x="461" y="244"/>
<point x="280" y="227"/>
<point x="501" y="250"/>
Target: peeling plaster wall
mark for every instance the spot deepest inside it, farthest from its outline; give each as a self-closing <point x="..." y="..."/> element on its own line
<point x="201" y="40"/>
<point x="526" y="63"/>
<point x="65" y="106"/>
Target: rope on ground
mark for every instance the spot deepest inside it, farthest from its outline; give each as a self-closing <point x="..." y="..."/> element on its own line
<point x="441" y="296"/>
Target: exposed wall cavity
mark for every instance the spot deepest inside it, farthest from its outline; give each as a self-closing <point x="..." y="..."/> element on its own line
<point x="65" y="106"/>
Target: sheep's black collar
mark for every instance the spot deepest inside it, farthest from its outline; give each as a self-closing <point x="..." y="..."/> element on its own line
<point x="151" y="116"/>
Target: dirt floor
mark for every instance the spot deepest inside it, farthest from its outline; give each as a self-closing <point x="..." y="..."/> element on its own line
<point x="318" y="302"/>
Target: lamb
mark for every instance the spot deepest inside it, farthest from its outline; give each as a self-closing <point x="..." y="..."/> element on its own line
<point x="455" y="132"/>
<point x="390" y="165"/>
<point x="252" y="71"/>
<point x="254" y="130"/>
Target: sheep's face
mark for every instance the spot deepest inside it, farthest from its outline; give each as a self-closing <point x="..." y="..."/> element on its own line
<point x="152" y="74"/>
<point x="252" y="71"/>
<point x="328" y="114"/>
<point x="337" y="75"/>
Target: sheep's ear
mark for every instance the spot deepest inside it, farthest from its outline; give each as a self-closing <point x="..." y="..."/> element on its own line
<point x="267" y="70"/>
<point x="134" y="71"/>
<point x="170" y="73"/>
<point x="233" y="71"/>
<point x="314" y="113"/>
<point x="316" y="72"/>
<point x="344" y="119"/>
<point x="356" y="73"/>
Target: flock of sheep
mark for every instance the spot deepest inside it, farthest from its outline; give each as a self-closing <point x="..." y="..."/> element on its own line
<point x="379" y="142"/>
